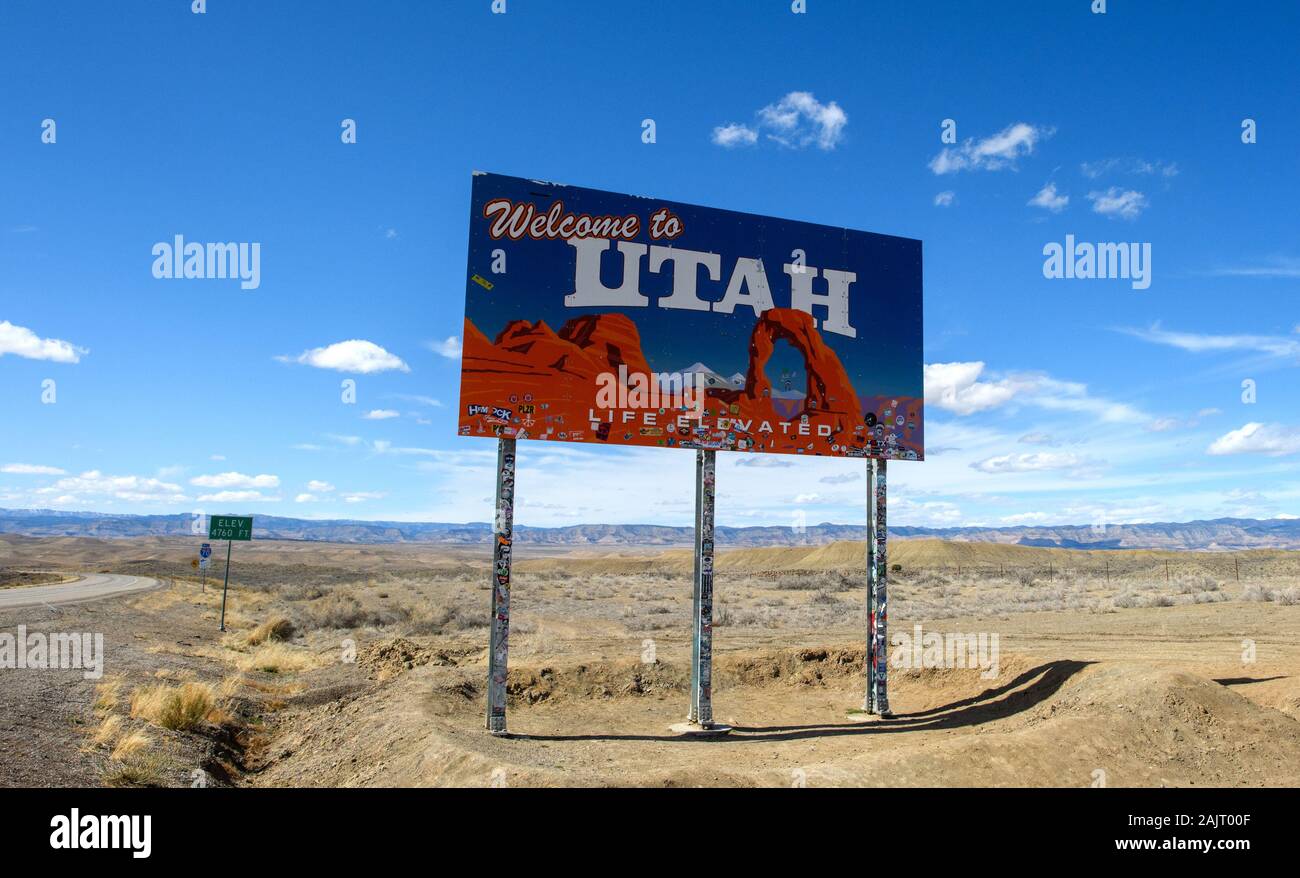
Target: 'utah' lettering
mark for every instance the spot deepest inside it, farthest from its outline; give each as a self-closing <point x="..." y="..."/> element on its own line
<point x="747" y="285"/>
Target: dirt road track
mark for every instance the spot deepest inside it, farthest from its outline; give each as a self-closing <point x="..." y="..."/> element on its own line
<point x="90" y="587"/>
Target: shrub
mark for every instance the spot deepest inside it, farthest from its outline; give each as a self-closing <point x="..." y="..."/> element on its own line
<point x="276" y="658"/>
<point x="173" y="707"/>
<point x="274" y="628"/>
<point x="1256" y="593"/>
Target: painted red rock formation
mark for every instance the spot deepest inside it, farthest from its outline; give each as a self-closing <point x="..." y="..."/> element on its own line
<point x="829" y="388"/>
<point x="583" y="348"/>
<point x="613" y="337"/>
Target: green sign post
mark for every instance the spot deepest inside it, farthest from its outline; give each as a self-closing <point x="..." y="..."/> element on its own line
<point x="229" y="528"/>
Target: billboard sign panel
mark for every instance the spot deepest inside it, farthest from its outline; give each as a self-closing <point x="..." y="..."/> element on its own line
<point x="614" y="319"/>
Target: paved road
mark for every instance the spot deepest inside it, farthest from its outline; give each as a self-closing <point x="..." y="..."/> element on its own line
<point x="90" y="587"/>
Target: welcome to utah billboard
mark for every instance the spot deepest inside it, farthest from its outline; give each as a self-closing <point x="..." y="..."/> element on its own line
<point x="597" y="317"/>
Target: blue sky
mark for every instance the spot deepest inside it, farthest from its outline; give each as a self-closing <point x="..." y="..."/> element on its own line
<point x="1050" y="400"/>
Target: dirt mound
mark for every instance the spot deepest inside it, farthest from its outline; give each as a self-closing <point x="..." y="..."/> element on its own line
<point x="598" y="680"/>
<point x="387" y="658"/>
<point x="805" y="667"/>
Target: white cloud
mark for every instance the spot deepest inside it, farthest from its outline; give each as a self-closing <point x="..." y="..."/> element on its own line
<point x="415" y="397"/>
<point x="1195" y="342"/>
<point x="235" y="480"/>
<point x="1038" y="439"/>
<point x="132" y="489"/>
<point x="806" y="498"/>
<point x="380" y="414"/>
<point x="217" y="457"/>
<point x="305" y="498"/>
<point x="992" y="153"/>
<point x="22" y="342"/>
<point x="734" y="135"/>
<point x="1280" y="267"/>
<point x="31" y="469"/>
<point x="955" y="387"/>
<point x="1039" y="461"/>
<point x="1024" y="518"/>
<point x="449" y="347"/>
<point x="1115" y="202"/>
<point x="356" y="355"/>
<point x="1048" y="199"/>
<point x="1273" y="440"/>
<point x="797" y="120"/>
<point x="362" y="496"/>
<point x="319" y="487"/>
<point x="1093" y="170"/>
<point x="1164" y="425"/>
<point x="945" y="199"/>
<point x="237" y="497"/>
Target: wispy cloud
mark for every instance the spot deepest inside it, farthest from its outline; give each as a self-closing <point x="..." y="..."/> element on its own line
<point x="1281" y="266"/>
<point x="1115" y="202"/>
<point x="449" y="347"/>
<point x="417" y="398"/>
<point x="797" y="120"/>
<point x="734" y="135"/>
<point x="1093" y="170"/>
<point x="22" y="342"/>
<point x="1274" y="440"/>
<point x="381" y="414"/>
<point x="1039" y="461"/>
<point x="355" y="355"/>
<point x="31" y="469"/>
<point x="237" y="497"/>
<point x="945" y="199"/>
<point x="1199" y="343"/>
<point x="1048" y="199"/>
<point x="993" y="153"/>
<point x="958" y="388"/>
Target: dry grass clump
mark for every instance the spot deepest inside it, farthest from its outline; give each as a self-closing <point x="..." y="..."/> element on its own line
<point x="174" y="707"/>
<point x="107" y="730"/>
<point x="107" y="693"/>
<point x="274" y="628"/>
<point x="820" y="580"/>
<point x="440" y="620"/>
<point x="143" y="769"/>
<point x="276" y="658"/>
<point x="339" y="609"/>
<point x="130" y="745"/>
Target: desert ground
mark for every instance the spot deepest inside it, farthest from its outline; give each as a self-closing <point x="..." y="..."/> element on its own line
<point x="365" y="665"/>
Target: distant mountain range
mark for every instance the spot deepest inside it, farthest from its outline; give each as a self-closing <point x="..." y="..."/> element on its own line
<point x="1218" y="534"/>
